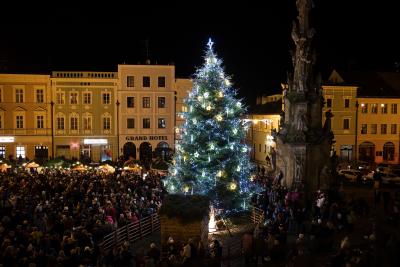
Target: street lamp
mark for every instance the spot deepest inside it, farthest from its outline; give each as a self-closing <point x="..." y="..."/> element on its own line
<point x="117" y="103"/>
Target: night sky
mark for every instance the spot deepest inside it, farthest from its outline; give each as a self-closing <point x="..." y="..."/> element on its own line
<point x="253" y="41"/>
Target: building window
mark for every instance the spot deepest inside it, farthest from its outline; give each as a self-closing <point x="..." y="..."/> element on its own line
<point x="1" y="122"/>
<point x="329" y="102"/>
<point x="130" y="81"/>
<point x="374" y="108"/>
<point x="74" y="123"/>
<point x="383" y="128"/>
<point x="40" y="122"/>
<point x="19" y="95"/>
<point x="161" y="102"/>
<point x="60" y="123"/>
<point x="364" y="108"/>
<point x="1" y="95"/>
<point x="106" y="98"/>
<point x="346" y="124"/>
<point x="20" y="122"/>
<point x="259" y="148"/>
<point x="87" y="123"/>
<point x="394" y="108"/>
<point x="130" y="102"/>
<point x="130" y="123"/>
<point x="374" y="128"/>
<point x="87" y="98"/>
<point x="161" y="81"/>
<point x="161" y="123"/>
<point x="106" y="123"/>
<point x="146" y="102"/>
<point x="39" y="96"/>
<point x="146" y="81"/>
<point x="73" y="98"/>
<point x="384" y="108"/>
<point x="60" y="98"/>
<point x="363" y="128"/>
<point x="347" y="103"/>
<point x="146" y="123"/>
<point x="393" y="129"/>
<point x="20" y="152"/>
<point x="2" y="152"/>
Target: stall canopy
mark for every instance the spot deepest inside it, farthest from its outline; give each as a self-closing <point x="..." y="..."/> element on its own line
<point x="107" y="168"/>
<point x="32" y="165"/>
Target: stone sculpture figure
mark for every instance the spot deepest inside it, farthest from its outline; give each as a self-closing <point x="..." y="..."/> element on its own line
<point x="328" y="121"/>
<point x="298" y="174"/>
<point x="302" y="121"/>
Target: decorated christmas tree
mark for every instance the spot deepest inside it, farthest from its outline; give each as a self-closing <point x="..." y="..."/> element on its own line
<point x="212" y="158"/>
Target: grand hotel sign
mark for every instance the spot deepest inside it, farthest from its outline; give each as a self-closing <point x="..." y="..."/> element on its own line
<point x="147" y="138"/>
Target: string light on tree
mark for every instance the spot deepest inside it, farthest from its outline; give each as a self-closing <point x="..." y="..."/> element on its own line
<point x="211" y="138"/>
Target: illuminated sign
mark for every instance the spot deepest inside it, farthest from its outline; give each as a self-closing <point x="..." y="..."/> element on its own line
<point x="145" y="138"/>
<point x="7" y="139"/>
<point x="95" y="141"/>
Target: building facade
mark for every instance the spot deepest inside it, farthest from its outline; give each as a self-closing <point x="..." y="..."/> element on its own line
<point x="84" y="115"/>
<point x="25" y="116"/>
<point x="147" y="110"/>
<point x="378" y="134"/>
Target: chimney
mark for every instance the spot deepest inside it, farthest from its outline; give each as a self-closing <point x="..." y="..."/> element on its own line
<point x="147" y="61"/>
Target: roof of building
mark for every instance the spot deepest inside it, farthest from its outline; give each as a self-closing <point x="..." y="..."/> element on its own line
<point x="370" y="83"/>
<point x="267" y="108"/>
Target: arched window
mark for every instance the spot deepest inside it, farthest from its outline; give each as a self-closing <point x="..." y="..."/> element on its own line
<point x="60" y="121"/>
<point x="87" y="121"/>
<point x="73" y="121"/>
<point x="106" y="121"/>
<point x="388" y="151"/>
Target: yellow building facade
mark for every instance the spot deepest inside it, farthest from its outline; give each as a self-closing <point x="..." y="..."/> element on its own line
<point x="147" y="111"/>
<point x="25" y="116"/>
<point x="378" y="129"/>
<point x="84" y="118"/>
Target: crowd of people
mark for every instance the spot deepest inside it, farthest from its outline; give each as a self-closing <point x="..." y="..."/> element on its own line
<point x="59" y="217"/>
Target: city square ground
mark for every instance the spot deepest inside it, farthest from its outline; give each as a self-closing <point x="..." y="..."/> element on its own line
<point x="231" y="242"/>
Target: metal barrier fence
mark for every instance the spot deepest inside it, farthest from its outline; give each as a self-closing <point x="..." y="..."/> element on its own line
<point x="257" y="215"/>
<point x="132" y="232"/>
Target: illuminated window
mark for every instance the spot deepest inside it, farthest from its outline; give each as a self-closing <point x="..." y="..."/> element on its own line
<point x="40" y="122"/>
<point x="146" y="81"/>
<point x="60" y="98"/>
<point x="19" y="95"/>
<point x="146" y="123"/>
<point x="130" y="102"/>
<point x="106" y="98"/>
<point x="146" y="102"/>
<point x="364" y="108"/>
<point x="20" y="121"/>
<point x="130" y="123"/>
<point x="2" y="152"/>
<point x="384" y="108"/>
<point x="363" y="128"/>
<point x="161" y="123"/>
<point x="130" y="81"/>
<point x="39" y="96"/>
<point x="374" y="128"/>
<point x="161" y="102"/>
<point x="161" y="81"/>
<point x="383" y="128"/>
<point x="393" y="129"/>
<point x="374" y="108"/>
<point x="20" y="152"/>
<point x="394" y="108"/>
